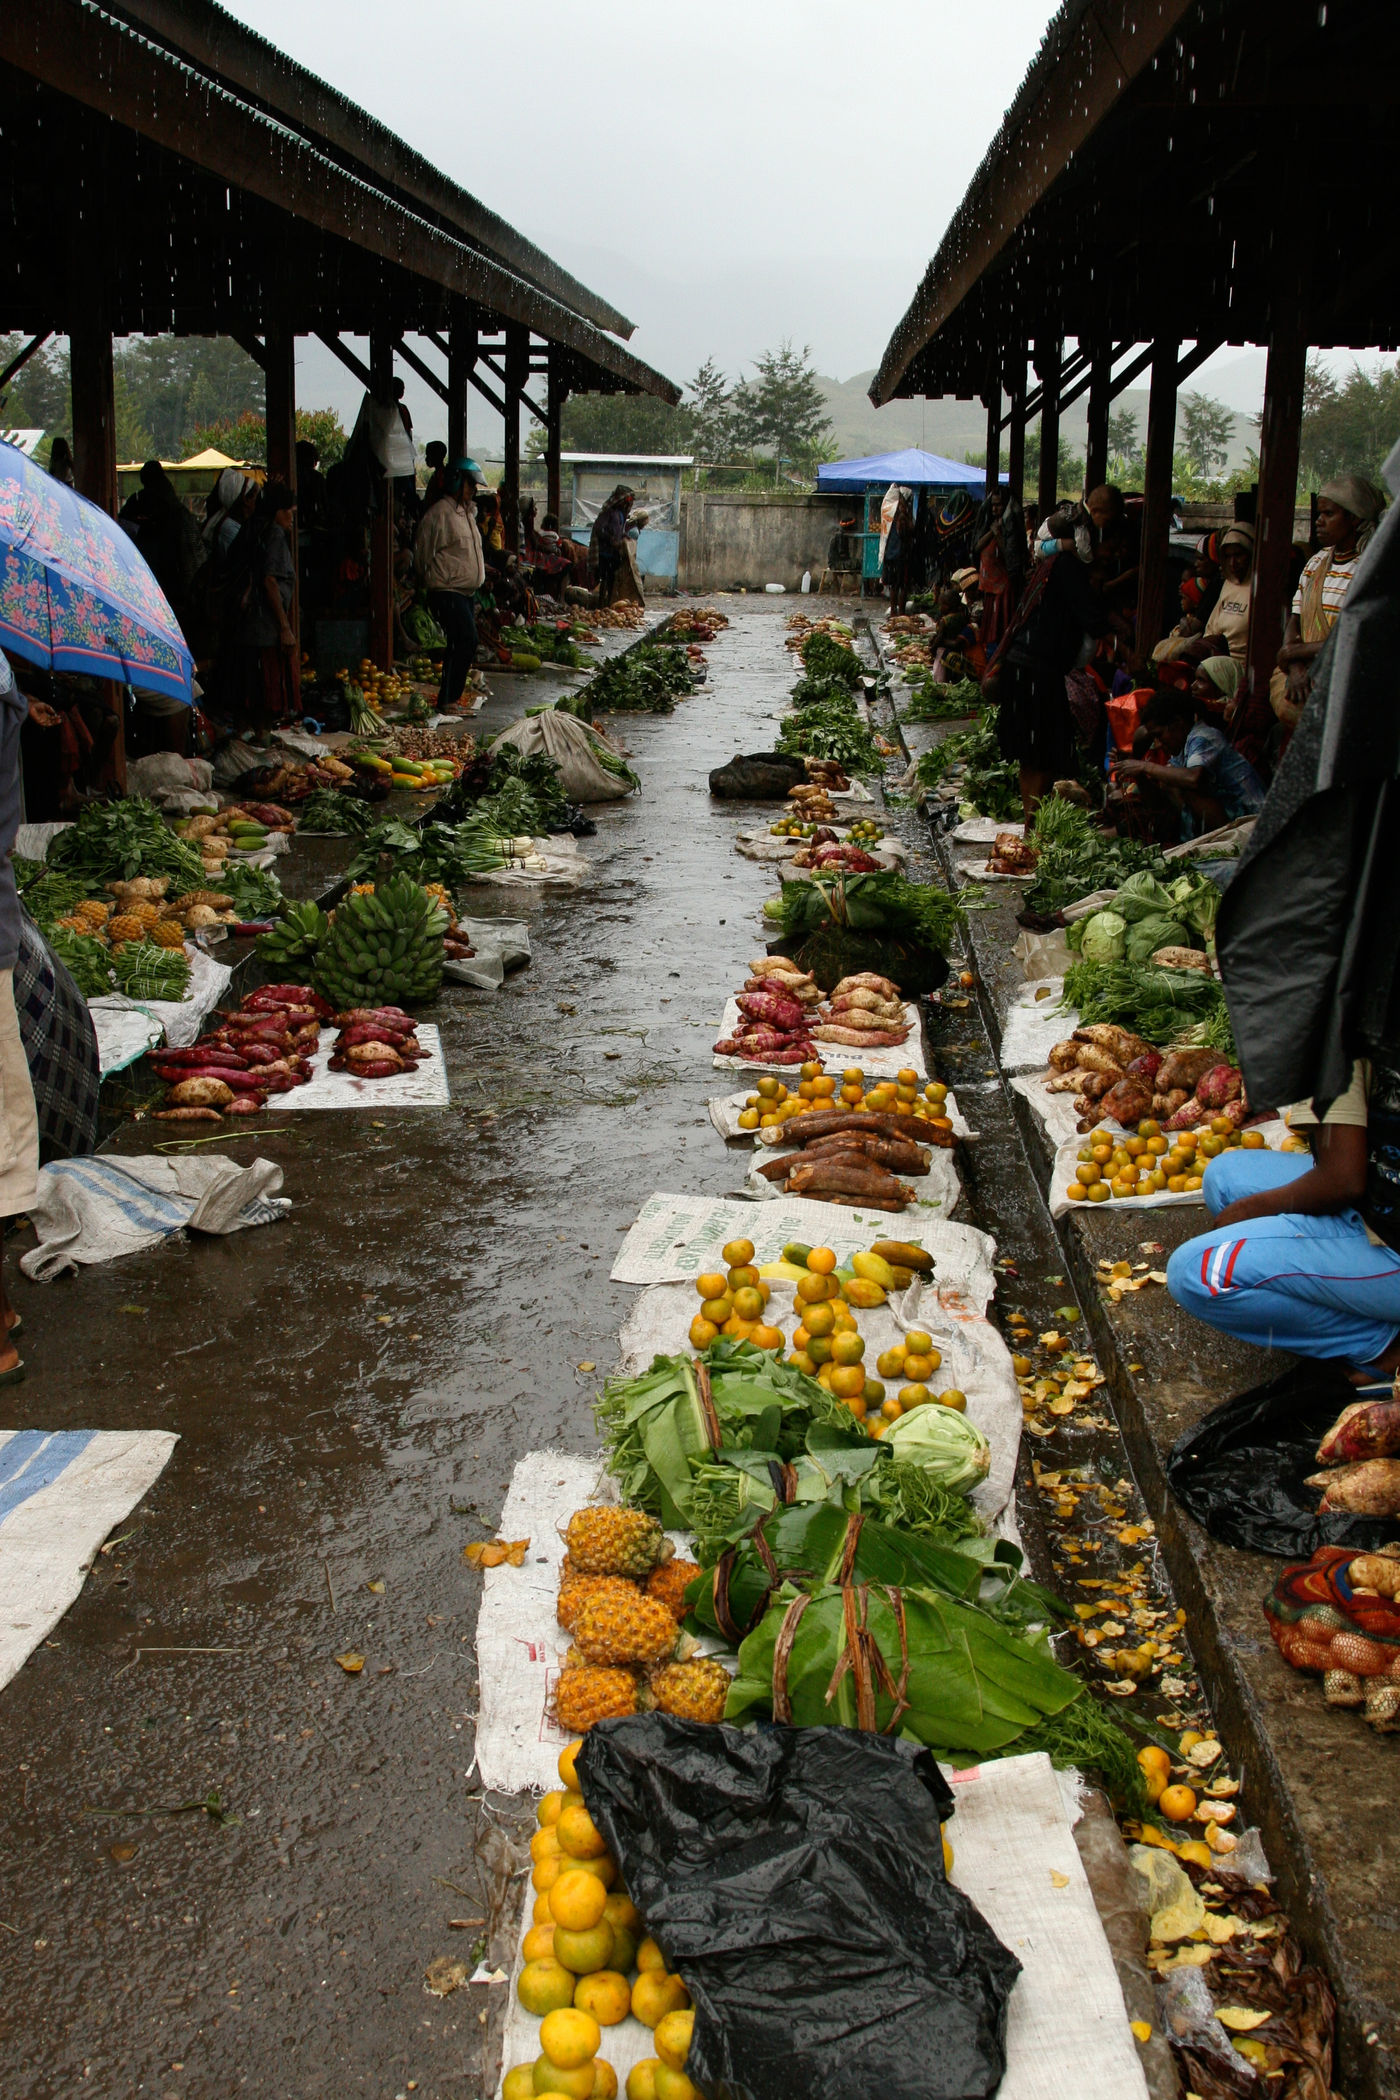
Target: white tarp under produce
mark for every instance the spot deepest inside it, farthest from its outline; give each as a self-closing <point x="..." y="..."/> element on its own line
<point x="1035" y="1022"/>
<point x="675" y="1238"/>
<point x="61" y="1492"/>
<point x="835" y="1057"/>
<point x="423" y="1087"/>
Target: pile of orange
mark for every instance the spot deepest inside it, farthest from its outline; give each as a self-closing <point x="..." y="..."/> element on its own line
<point x="734" y="1303"/>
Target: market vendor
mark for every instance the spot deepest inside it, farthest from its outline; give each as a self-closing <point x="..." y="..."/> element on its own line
<point x="609" y="532"/>
<point x="1304" y="1249"/>
<point x="1347" y="510"/>
<point x="1058" y="610"/>
<point x="447" y="557"/>
<point x="1209" y="781"/>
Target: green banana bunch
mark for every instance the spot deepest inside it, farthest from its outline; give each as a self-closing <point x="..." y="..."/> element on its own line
<point x="299" y="932"/>
<point x="383" y="947"/>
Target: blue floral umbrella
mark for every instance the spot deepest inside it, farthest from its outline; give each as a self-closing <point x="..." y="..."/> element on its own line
<point x="74" y="593"/>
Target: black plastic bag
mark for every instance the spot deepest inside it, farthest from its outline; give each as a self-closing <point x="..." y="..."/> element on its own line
<point x="794" y="1878"/>
<point x="757" y="776"/>
<point x="1242" y="1471"/>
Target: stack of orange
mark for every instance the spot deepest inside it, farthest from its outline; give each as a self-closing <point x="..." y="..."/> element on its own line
<point x="827" y="1344"/>
<point x="734" y="1303"/>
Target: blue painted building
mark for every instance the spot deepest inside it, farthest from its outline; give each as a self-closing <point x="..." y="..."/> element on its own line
<point x="656" y="480"/>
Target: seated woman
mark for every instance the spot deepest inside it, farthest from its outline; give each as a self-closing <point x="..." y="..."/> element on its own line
<point x="1304" y="1250"/>
<point x="1347" y="511"/>
<point x="1210" y="782"/>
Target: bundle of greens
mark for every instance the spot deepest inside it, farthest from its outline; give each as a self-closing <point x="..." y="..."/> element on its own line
<point x="931" y="702"/>
<point x="648" y="679"/>
<point x="824" y="657"/>
<point x="421" y="627"/>
<point x="809" y="690"/>
<point x="256" y="892"/>
<point x="832" y="728"/>
<point x="1160" y="1005"/>
<point x="1077" y="858"/>
<point x="835" y="1540"/>
<point x="117" y="841"/>
<point x="543" y="639"/>
<point x="88" y="961"/>
<point x="144" y="971"/>
<point x="47" y="894"/>
<point x="452" y="854"/>
<point x="1145" y="915"/>
<point x="881" y="903"/>
<point x="330" y="814"/>
<point x="533" y="778"/>
<point x="733" y="1490"/>
<point x="657" y="1426"/>
<point x="990" y="784"/>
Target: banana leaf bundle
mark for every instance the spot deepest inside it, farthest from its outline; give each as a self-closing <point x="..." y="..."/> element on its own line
<point x="894" y="1659"/>
<point x="730" y="1493"/>
<point x="828" y="1542"/>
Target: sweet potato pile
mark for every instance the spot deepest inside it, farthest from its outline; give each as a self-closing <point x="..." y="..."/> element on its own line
<point x="263" y="1047"/>
<point x="1117" y="1077"/>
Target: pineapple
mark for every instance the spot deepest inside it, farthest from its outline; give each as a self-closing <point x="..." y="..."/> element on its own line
<point x="93" y="908"/>
<point x="605" y="1540"/>
<point x="693" y="1691"/>
<point x="669" y="1582"/>
<point x="576" y="1591"/>
<point x="125" y="927"/>
<point x="146" y="913"/>
<point x="585" y="1694"/>
<point x="611" y="1628"/>
<point x="168" y="933"/>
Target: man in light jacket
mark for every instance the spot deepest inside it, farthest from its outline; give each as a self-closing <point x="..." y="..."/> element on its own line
<point x="448" y="559"/>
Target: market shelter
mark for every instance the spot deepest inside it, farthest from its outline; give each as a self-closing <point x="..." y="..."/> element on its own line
<point x="1152" y="194"/>
<point x="204" y="184"/>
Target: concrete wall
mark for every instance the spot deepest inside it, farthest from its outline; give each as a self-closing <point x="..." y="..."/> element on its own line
<point x="734" y="536"/>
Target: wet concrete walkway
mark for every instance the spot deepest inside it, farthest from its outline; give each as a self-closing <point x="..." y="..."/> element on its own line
<point x="351" y="1390"/>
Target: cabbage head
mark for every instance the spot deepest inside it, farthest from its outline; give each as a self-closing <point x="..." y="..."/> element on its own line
<point x="941" y="1439"/>
<point x="1103" y="938"/>
<point x="1149" y="935"/>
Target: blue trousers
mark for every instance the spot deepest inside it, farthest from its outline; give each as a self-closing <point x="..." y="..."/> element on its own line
<point x="1313" y="1285"/>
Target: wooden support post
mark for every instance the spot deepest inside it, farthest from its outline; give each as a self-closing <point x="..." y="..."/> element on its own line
<point x="992" y="464"/>
<point x="280" y="410"/>
<point x="461" y="362"/>
<point x="94" y="410"/>
<point x="1096" y="446"/>
<point x="1049" y="361"/>
<point x="1273" y="514"/>
<point x="553" y="437"/>
<point x="381" y="524"/>
<point x="517" y="373"/>
<point x="1157" y="496"/>
<point x="1016" y="429"/>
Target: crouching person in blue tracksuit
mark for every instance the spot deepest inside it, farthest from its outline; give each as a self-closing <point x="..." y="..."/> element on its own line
<point x="1304" y="1252"/>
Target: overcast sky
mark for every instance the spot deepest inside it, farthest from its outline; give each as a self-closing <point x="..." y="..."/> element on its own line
<point x="728" y="173"/>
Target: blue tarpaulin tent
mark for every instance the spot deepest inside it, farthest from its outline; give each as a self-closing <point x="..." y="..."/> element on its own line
<point x="916" y="469"/>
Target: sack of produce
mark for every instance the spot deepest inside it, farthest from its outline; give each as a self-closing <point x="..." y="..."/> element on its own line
<point x="824" y="1948"/>
<point x="758" y="776"/>
<point x="382" y="945"/>
<point x="591" y="767"/>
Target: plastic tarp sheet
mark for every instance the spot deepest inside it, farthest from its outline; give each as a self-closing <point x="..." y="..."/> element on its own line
<point x="501" y="945"/>
<point x="1035" y="1022"/>
<point x="835" y="1057"/>
<point x="95" y="1210"/>
<point x="918" y="469"/>
<point x="424" y="1087"/>
<point x="61" y="1492"/>
<point x="674" y="1238"/>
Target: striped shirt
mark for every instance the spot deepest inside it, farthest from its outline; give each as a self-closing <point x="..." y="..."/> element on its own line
<point x="1335" y="586"/>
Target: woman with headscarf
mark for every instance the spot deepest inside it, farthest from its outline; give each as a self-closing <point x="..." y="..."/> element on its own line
<point x="1057" y="623"/>
<point x="898" y="546"/>
<point x="1000" y="540"/>
<point x="1347" y="510"/>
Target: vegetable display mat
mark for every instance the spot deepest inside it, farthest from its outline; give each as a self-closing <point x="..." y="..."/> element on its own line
<point x="1014" y="1856"/>
<point x="983" y="871"/>
<point x="676" y="1238"/>
<point x="835" y="1057"/>
<point x="985" y="831"/>
<point x="726" y="1109"/>
<point x="60" y="1494"/>
<point x="424" y="1087"/>
<point x="1057" y="1114"/>
<point x="975" y="1359"/>
<point x="1035" y="1021"/>
<point x="520" y="1645"/>
<point x="934" y="1192"/>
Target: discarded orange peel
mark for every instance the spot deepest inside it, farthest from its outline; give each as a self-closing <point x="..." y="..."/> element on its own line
<point x="494" y="1553"/>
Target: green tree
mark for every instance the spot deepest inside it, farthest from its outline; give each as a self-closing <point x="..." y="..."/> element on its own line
<point x="617" y="424"/>
<point x="784" y="408"/>
<point x="37" y="398"/>
<point x="244" y="437"/>
<point x="1123" y="446"/>
<point x="179" y="384"/>
<point x="1348" y="428"/>
<point x="711" y="411"/>
<point x="1069" y="469"/>
<point x="1207" y="427"/>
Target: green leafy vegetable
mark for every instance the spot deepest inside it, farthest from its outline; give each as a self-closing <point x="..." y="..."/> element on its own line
<point x="144" y="971"/>
<point x="832" y="728"/>
<point x="647" y="679"/>
<point x="990" y="784"/>
<point x="882" y="902"/>
<point x="931" y="702"/>
<point x="1076" y="858"/>
<point x="88" y="961"/>
<point x="117" y="841"/>
<point x="824" y="657"/>
<point x="1160" y="1005"/>
<point x="329" y="813"/>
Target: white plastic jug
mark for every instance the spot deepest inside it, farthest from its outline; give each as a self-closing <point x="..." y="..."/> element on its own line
<point x="806" y="582"/>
